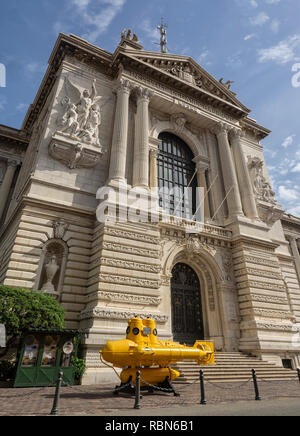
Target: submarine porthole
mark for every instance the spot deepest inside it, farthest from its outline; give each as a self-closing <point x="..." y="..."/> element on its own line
<point x="136" y="331"/>
<point x="127" y="330"/>
<point x="155" y="332"/>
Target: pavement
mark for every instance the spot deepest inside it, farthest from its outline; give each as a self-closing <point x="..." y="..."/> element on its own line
<point x="279" y="398"/>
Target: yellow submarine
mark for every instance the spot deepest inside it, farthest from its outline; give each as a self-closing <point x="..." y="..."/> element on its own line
<point x="141" y="350"/>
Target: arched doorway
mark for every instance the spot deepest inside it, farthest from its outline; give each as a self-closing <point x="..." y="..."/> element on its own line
<point x="187" y="317"/>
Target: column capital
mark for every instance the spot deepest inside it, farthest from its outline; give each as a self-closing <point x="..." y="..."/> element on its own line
<point x="124" y="86"/>
<point x="12" y="163"/>
<point x="220" y="129"/>
<point x="235" y="134"/>
<point x="144" y="93"/>
<point x="202" y="163"/>
<point x="154" y="152"/>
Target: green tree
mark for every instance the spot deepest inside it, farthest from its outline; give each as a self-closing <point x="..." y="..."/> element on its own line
<point x="22" y="309"/>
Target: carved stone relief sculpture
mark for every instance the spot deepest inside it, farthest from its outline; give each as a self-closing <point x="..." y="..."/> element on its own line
<point x="76" y="141"/>
<point x="268" y="209"/>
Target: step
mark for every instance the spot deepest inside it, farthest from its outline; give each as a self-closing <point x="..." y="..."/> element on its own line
<point x="233" y="367"/>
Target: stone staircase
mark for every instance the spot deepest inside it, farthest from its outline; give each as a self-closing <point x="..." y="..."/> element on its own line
<point x="232" y="367"/>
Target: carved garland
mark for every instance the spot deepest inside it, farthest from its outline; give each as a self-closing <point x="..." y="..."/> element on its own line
<point x="100" y="313"/>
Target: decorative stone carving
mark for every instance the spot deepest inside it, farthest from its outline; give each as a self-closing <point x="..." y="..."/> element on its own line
<point x="76" y="142"/>
<point x="82" y="116"/>
<point x="131" y="281"/>
<point x="179" y="122"/>
<point x="60" y="227"/>
<point x="129" y="298"/>
<point x="268" y="209"/>
<point x="194" y="245"/>
<point x="74" y="154"/>
<point x="53" y="264"/>
<point x="98" y="312"/>
<point x="262" y="189"/>
<point x="51" y="269"/>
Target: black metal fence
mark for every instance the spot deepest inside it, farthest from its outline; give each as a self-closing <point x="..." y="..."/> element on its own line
<point x="96" y="400"/>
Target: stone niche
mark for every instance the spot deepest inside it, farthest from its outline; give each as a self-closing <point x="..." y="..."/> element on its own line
<point x="52" y="268"/>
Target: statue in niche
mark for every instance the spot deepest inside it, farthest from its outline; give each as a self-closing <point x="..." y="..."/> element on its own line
<point x="82" y="116"/>
<point x="51" y="269"/>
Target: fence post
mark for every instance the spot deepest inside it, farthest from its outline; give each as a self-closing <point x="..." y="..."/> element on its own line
<point x="54" y="410"/>
<point x="137" y="390"/>
<point x="257" y="397"/>
<point x="202" y="389"/>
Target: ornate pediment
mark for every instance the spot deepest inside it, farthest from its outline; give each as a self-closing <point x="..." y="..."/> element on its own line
<point x="187" y="70"/>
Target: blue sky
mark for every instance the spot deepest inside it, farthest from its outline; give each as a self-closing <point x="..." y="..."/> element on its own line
<point x="255" y="43"/>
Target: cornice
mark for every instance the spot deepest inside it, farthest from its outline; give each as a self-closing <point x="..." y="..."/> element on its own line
<point x="14" y="137"/>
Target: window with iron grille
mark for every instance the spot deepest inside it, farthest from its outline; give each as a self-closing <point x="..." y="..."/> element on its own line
<point x="176" y="173"/>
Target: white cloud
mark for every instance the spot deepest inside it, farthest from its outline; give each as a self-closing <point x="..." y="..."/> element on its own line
<point x="247" y="37"/>
<point x="96" y="15"/>
<point x="294" y="211"/>
<point x="260" y="19"/>
<point x="272" y="2"/>
<point x="253" y="3"/>
<point x="283" y="52"/>
<point x="288" y="194"/>
<point x="150" y="31"/>
<point x="21" y="106"/>
<point x="296" y="169"/>
<point x="288" y="141"/>
<point x="275" y="24"/>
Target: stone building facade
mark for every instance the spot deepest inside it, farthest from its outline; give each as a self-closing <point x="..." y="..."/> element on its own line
<point x="134" y="121"/>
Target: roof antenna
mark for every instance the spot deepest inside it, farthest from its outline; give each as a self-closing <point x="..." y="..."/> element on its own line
<point x="163" y="36"/>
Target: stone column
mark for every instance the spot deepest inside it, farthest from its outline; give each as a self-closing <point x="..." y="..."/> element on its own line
<point x="117" y="168"/>
<point x="6" y="184"/>
<point x="228" y="170"/>
<point x="245" y="185"/>
<point x="202" y="166"/>
<point x="141" y="143"/>
<point x="295" y="253"/>
<point x="153" y="181"/>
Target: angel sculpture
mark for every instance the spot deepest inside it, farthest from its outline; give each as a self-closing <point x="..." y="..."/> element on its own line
<point x="82" y="117"/>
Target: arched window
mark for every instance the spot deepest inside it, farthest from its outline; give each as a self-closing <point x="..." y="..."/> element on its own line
<point x="176" y="172"/>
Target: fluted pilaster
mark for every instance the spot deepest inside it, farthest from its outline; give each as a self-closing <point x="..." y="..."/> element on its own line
<point x="120" y="135"/>
<point x="141" y="144"/>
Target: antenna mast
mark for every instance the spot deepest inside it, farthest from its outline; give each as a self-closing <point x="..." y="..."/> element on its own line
<point x="163" y="36"/>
